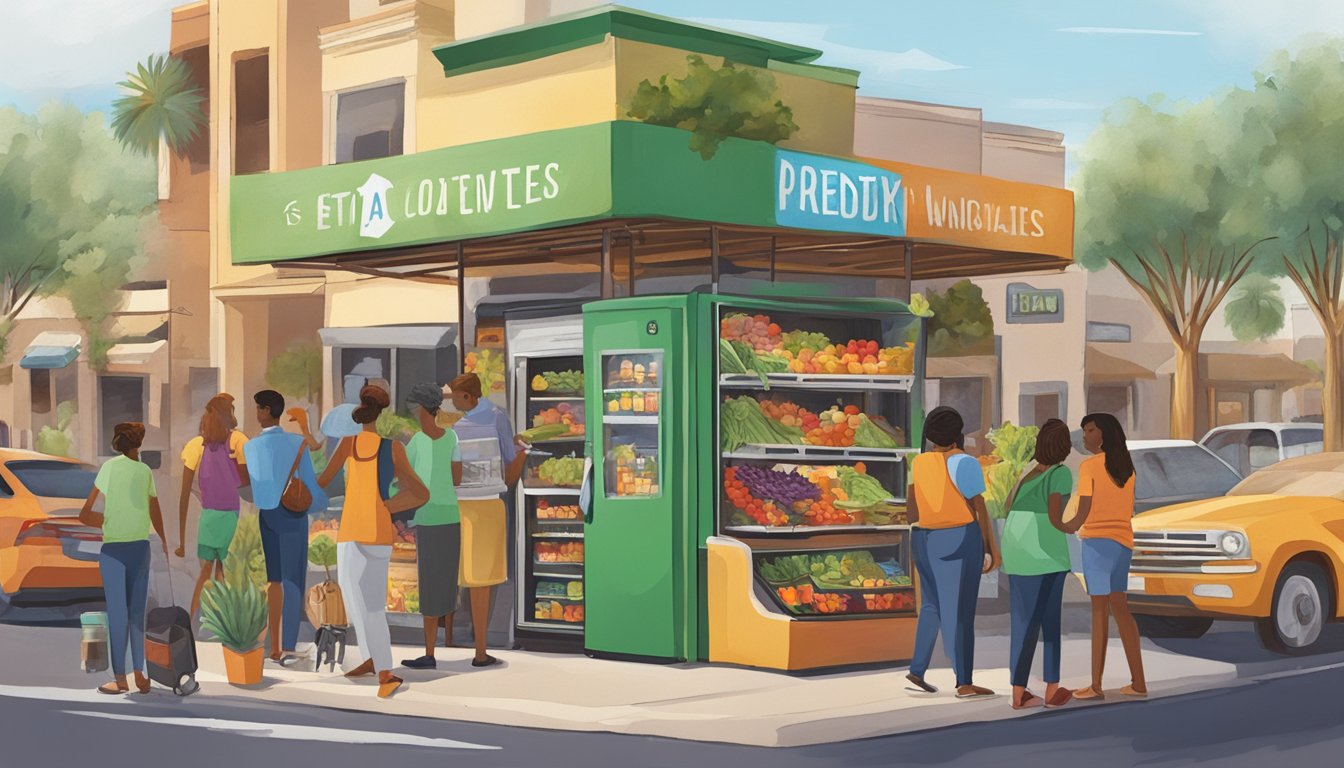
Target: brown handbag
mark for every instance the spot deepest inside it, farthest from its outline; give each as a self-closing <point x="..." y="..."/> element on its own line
<point x="326" y="606"/>
<point x="297" y="498"/>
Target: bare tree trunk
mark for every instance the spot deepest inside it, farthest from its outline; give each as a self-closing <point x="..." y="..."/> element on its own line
<point x="1183" y="389"/>
<point x="1332" y="393"/>
<point x="164" y="158"/>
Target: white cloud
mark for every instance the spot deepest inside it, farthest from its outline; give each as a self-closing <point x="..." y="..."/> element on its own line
<point x="1053" y="104"/>
<point x="1264" y="26"/>
<point x="78" y="42"/>
<point x="1128" y="31"/>
<point x="871" y="62"/>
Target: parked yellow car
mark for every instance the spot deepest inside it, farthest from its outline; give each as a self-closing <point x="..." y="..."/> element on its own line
<point x="1270" y="551"/>
<point x="48" y="559"/>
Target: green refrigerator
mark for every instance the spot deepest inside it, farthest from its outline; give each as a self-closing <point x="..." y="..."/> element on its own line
<point x="653" y="488"/>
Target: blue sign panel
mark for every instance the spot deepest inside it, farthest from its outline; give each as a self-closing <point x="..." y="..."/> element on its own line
<point x="830" y="194"/>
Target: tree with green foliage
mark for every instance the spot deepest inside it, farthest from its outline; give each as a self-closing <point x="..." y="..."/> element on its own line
<point x="75" y="213"/>
<point x="961" y="324"/>
<point x="715" y="103"/>
<point x="1255" y="309"/>
<point x="1294" y="173"/>
<point x="297" y="372"/>
<point x="162" y="111"/>
<point x="1156" y="202"/>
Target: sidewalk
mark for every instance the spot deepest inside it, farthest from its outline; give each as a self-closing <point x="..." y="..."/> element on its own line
<point x="696" y="701"/>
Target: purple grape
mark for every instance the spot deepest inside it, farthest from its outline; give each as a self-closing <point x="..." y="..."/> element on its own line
<point x="783" y="488"/>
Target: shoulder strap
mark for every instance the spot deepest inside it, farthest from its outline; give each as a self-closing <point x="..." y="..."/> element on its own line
<point x="295" y="468"/>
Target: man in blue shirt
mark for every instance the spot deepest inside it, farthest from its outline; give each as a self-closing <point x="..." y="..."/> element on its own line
<point x="484" y="514"/>
<point x="284" y="535"/>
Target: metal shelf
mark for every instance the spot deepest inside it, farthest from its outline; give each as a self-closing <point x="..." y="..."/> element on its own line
<point x="650" y="420"/>
<point x="565" y="576"/>
<point x="553" y="491"/>
<point x="556" y="535"/>
<point x="535" y="561"/>
<point x="618" y="390"/>
<point x="819" y="453"/>
<point x="784" y="530"/>
<point x="569" y="628"/>
<point x="555" y="399"/>
<point x="558" y="598"/>
<point x="819" y="381"/>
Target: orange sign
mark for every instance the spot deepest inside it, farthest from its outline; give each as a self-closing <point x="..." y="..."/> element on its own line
<point x="985" y="212"/>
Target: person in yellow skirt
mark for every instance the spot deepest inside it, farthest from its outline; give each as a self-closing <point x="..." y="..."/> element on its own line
<point x="484" y="562"/>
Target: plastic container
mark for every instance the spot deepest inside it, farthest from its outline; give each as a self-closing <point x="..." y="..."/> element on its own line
<point x="94" y="653"/>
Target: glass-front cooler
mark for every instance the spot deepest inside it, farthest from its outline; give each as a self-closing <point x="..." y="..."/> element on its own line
<point x="815" y="413"/>
<point x="550" y="555"/>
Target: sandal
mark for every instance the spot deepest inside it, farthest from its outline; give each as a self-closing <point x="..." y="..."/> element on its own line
<point x="1029" y="701"/>
<point x="1062" y="696"/>
<point x="967" y="692"/>
<point x="112" y="689"/>
<point x="1088" y="694"/>
<point x="920" y="683"/>
<point x="389" y="686"/>
<point x="363" y="670"/>
<point x="1133" y="693"/>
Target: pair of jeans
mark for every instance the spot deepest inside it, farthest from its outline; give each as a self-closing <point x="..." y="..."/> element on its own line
<point x="124" y="566"/>
<point x="949" y="562"/>
<point x="361" y="570"/>
<point x="284" y="542"/>
<point x="1037" y="606"/>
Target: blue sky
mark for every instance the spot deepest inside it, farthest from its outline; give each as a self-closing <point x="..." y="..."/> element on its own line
<point x="1053" y="64"/>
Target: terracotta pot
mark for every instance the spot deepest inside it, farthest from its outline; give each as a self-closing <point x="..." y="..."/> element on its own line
<point x="243" y="668"/>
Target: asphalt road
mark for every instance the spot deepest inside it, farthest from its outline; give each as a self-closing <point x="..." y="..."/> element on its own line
<point x="49" y="715"/>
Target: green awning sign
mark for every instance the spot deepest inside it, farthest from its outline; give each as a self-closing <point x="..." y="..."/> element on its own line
<point x="538" y="181"/>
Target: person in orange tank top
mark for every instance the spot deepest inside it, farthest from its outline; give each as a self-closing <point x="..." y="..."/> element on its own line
<point x="952" y="548"/>
<point x="364" y="541"/>
<point x="1104" y="523"/>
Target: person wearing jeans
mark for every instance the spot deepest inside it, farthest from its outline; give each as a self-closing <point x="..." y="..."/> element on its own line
<point x="132" y="506"/>
<point x="1036" y="559"/>
<point x="952" y="548"/>
<point x="284" y="535"/>
<point x="364" y="541"/>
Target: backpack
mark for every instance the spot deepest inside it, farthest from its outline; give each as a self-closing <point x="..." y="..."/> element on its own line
<point x="219" y="478"/>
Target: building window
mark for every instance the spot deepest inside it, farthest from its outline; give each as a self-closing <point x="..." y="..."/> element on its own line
<point x="40" y="387"/>
<point x="198" y="151"/>
<point x="1042" y="400"/>
<point x="967" y="396"/>
<point x="1114" y="332"/>
<point x="1113" y="399"/>
<point x="252" y="114"/>
<point x="401" y="367"/>
<point x="370" y="123"/>
<point x="121" y="399"/>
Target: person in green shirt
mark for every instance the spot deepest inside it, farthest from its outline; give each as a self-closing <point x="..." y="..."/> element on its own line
<point x="132" y="506"/>
<point x="1036" y="559"/>
<point x="436" y="458"/>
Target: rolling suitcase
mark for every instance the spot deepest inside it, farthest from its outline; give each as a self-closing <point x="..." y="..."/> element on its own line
<point x="170" y="647"/>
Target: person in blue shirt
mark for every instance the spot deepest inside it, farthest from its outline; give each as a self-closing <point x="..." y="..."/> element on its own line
<point x="284" y="535"/>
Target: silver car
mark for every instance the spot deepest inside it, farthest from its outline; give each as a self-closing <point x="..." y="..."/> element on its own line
<point x="1253" y="446"/>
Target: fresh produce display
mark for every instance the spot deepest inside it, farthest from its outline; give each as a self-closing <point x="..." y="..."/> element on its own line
<point x="763" y="512"/>
<point x="860" y="489"/>
<point x="790" y="415"/>
<point x="556" y="552"/>
<point x="562" y="415"/>
<point x="570" y="590"/>
<point x="548" y="511"/>
<point x="836" y="427"/>
<point x="832" y="582"/>
<point x="403" y="594"/>
<point x="550" y="610"/>
<point x="562" y="472"/>
<point x="564" y="381"/>
<point x="743" y="422"/>
<point x="488" y="365"/>
<point x="869" y="435"/>
<point x="805" y="495"/>
<point x="548" y="432"/>
<point x="754" y="344"/>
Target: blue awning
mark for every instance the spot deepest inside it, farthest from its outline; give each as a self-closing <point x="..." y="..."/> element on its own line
<point x="51" y="349"/>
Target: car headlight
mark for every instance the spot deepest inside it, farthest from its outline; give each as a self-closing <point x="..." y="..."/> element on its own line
<point x="1232" y="543"/>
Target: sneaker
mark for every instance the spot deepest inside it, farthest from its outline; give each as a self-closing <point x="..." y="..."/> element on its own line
<point x="424" y="662"/>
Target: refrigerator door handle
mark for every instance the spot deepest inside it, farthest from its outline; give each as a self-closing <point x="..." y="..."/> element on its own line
<point x="586" y="490"/>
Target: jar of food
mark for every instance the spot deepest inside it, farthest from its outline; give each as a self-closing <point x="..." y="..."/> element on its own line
<point x="627" y="370"/>
<point x="650" y="402"/>
<point x="627" y="402"/>
<point x="637" y="402"/>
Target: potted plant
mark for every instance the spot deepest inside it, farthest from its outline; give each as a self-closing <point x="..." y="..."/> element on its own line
<point x="235" y="611"/>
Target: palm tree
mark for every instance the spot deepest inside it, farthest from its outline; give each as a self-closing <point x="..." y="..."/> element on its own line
<point x="1255" y="309"/>
<point x="162" y="111"/>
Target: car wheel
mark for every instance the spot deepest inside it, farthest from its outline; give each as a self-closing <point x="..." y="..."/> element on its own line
<point x="1299" y="612"/>
<point x="1172" y="626"/>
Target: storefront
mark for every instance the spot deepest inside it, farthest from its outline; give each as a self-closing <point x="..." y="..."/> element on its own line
<point x="600" y="266"/>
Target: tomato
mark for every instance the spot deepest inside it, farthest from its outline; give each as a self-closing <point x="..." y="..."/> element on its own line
<point x="773" y="329"/>
<point x="852" y="410"/>
<point x="872" y="347"/>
